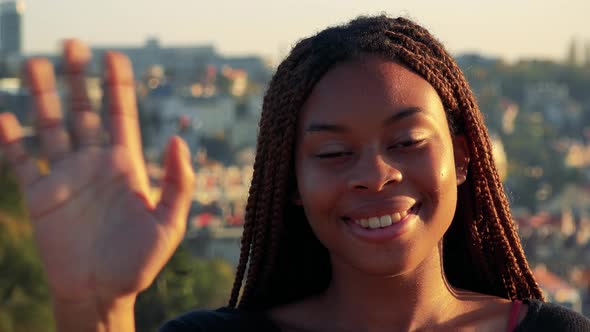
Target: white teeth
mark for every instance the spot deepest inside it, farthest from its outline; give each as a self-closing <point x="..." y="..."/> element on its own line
<point x="374" y="222"/>
<point x="385" y="221"/>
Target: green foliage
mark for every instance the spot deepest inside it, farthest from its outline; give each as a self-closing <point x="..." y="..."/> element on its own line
<point x="11" y="201"/>
<point x="24" y="297"/>
<point x="537" y="172"/>
<point x="185" y="283"/>
<point x="536" y="169"/>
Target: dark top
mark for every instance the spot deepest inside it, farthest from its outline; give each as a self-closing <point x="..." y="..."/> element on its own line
<point x="540" y="317"/>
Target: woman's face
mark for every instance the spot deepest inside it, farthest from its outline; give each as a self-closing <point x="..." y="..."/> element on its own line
<point x="377" y="169"/>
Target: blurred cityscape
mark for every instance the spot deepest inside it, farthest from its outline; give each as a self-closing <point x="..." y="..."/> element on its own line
<point x="538" y="113"/>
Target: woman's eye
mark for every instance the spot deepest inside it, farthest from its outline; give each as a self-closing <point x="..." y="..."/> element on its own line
<point x="336" y="154"/>
<point x="408" y="143"/>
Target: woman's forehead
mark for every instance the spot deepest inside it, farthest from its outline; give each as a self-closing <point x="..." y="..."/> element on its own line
<point x="370" y="83"/>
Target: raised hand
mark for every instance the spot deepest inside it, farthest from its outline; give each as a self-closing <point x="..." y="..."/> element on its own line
<point x="100" y="236"/>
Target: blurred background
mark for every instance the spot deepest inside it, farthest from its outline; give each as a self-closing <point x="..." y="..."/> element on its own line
<point x="201" y="69"/>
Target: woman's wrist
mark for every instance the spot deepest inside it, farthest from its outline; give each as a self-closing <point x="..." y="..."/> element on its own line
<point x="95" y="314"/>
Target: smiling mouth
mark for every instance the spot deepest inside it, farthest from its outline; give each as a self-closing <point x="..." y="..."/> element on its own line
<point x="382" y="221"/>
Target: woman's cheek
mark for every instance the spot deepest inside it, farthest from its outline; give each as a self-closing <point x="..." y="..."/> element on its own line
<point x="319" y="189"/>
<point x="439" y="163"/>
<point x="310" y="182"/>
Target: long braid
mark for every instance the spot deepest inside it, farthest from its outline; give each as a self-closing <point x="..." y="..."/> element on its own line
<point x="248" y="244"/>
<point x="272" y="224"/>
<point x="261" y="223"/>
<point x="504" y="230"/>
<point x="249" y="217"/>
<point x="267" y="223"/>
<point x="482" y="230"/>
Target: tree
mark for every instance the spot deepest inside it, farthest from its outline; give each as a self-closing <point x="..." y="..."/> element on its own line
<point x="24" y="297"/>
<point x="184" y="284"/>
<point x="11" y="201"/>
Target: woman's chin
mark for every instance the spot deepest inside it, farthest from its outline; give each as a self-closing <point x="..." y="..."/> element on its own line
<point x="386" y="265"/>
<point x="380" y="267"/>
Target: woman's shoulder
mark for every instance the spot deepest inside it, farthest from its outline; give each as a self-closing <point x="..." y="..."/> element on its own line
<point x="543" y="316"/>
<point x="222" y="319"/>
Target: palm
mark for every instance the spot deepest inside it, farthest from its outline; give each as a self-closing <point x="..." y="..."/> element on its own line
<point x="84" y="235"/>
<point x="97" y="231"/>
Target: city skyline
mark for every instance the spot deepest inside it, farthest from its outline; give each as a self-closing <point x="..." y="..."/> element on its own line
<point x="511" y="30"/>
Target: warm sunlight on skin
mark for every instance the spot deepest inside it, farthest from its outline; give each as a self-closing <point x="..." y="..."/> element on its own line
<point x="369" y="163"/>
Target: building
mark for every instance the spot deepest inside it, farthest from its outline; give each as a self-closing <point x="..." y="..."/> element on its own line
<point x="15" y="100"/>
<point x="183" y="64"/>
<point x="11" y="13"/>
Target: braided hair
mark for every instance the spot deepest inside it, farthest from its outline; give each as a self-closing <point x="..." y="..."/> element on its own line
<point x="281" y="259"/>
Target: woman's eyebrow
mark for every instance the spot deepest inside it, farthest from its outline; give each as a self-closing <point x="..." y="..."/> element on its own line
<point x="319" y="127"/>
<point x="337" y="128"/>
<point x="402" y="113"/>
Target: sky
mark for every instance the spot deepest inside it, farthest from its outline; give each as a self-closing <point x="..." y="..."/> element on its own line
<point x="510" y="29"/>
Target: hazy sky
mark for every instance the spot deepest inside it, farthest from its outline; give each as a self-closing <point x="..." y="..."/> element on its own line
<point x="510" y="29"/>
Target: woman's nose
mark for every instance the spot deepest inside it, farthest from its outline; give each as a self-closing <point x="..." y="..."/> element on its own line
<point x="373" y="173"/>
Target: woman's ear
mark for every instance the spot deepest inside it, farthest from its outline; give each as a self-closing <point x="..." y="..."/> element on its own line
<point x="461" y="154"/>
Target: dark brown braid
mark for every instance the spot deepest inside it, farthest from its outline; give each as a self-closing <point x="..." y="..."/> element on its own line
<point x="281" y="258"/>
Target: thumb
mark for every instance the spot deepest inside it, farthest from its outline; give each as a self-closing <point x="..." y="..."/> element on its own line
<point x="177" y="185"/>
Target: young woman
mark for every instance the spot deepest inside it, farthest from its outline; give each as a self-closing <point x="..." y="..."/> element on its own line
<point x="375" y="204"/>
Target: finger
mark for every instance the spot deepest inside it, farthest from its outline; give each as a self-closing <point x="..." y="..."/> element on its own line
<point x="23" y="165"/>
<point x="124" y="122"/>
<point x="86" y="124"/>
<point x="55" y="141"/>
<point x="177" y="186"/>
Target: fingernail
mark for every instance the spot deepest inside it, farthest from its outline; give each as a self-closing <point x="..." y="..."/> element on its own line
<point x="10" y="129"/>
<point x="40" y="75"/>
<point x="77" y="54"/>
<point x="118" y="69"/>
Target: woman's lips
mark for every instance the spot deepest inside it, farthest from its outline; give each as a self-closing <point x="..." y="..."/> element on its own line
<point x="380" y="209"/>
<point x="386" y="232"/>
